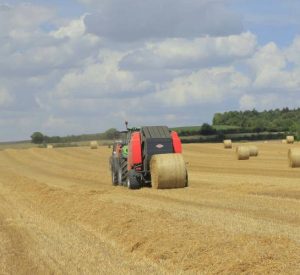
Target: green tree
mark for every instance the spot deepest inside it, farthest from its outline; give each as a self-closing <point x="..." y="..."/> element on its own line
<point x="207" y="129"/>
<point x="37" y="138"/>
<point x="272" y="120"/>
<point x="218" y="119"/>
<point x="111" y="133"/>
<point x="295" y="128"/>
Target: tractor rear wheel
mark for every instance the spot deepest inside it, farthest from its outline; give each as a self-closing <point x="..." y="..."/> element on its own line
<point x="114" y="178"/>
<point x="114" y="172"/>
<point x="120" y="176"/>
<point x="122" y="172"/>
<point x="132" y="180"/>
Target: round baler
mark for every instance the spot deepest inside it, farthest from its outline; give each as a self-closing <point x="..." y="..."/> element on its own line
<point x="149" y="157"/>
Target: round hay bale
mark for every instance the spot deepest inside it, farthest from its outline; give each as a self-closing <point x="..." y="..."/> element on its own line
<point x="227" y="144"/>
<point x="284" y="141"/>
<point x="94" y="145"/>
<point x="243" y="153"/>
<point x="168" y="171"/>
<point x="290" y="139"/>
<point x="49" y="146"/>
<point x="294" y="157"/>
<point x="253" y="151"/>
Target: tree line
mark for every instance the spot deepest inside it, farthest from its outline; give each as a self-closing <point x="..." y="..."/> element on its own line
<point x="40" y="138"/>
<point x="269" y="124"/>
<point x="284" y="120"/>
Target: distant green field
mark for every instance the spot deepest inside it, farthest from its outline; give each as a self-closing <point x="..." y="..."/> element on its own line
<point x="225" y="127"/>
<point x="17" y="145"/>
<point x="193" y="135"/>
<point x="28" y="144"/>
<point x="186" y="128"/>
<point x="198" y="128"/>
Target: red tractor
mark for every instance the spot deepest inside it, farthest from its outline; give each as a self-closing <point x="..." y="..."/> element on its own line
<point x="137" y="159"/>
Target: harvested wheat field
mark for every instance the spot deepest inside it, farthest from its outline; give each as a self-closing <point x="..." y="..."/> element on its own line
<point x="59" y="214"/>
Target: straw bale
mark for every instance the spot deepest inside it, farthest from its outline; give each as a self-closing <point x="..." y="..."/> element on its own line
<point x="243" y="153"/>
<point x="168" y="171"/>
<point x="290" y="139"/>
<point x="94" y="144"/>
<point x="253" y="151"/>
<point x="294" y="157"/>
<point x="227" y="144"/>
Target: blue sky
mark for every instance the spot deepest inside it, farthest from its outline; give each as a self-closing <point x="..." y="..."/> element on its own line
<point x="270" y="20"/>
<point x="73" y="67"/>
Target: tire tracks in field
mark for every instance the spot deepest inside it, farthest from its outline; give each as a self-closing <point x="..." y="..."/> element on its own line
<point x="269" y="214"/>
<point x="84" y="154"/>
<point x="16" y="243"/>
<point x="58" y="161"/>
<point x="59" y="158"/>
<point x="217" y="160"/>
<point x="228" y="218"/>
<point x="55" y="238"/>
<point x="147" y="231"/>
<point x="51" y="173"/>
<point x="154" y="235"/>
<point x="181" y="204"/>
<point x="248" y="171"/>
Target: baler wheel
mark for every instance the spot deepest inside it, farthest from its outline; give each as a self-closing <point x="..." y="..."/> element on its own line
<point x="132" y="180"/>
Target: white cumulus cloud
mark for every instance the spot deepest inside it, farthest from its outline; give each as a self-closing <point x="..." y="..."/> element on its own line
<point x="207" y="85"/>
<point x="150" y="61"/>
<point x="75" y="28"/>
<point x="102" y="78"/>
<point x="293" y="51"/>
<point x="24" y="16"/>
<point x="132" y="20"/>
<point x="248" y="102"/>
<point x="5" y="97"/>
<point x="270" y="66"/>
<point x="183" y="53"/>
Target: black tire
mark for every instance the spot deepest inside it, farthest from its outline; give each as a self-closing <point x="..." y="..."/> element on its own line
<point x="122" y="172"/>
<point x="114" y="171"/>
<point x="114" y="177"/>
<point x="120" y="176"/>
<point x="132" y="180"/>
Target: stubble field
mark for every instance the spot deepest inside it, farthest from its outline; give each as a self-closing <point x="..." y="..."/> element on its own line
<point x="59" y="214"/>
